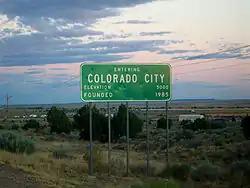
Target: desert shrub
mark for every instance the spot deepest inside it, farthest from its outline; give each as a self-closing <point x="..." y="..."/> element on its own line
<point x="50" y="137"/>
<point x="139" y="169"/>
<point x="206" y="171"/>
<point x="158" y="184"/>
<point x="240" y="173"/>
<point x="60" y="154"/>
<point x="31" y="124"/>
<point x="239" y="152"/>
<point x="185" y="134"/>
<point x="203" y="124"/>
<point x="219" y="142"/>
<point x="195" y="142"/>
<point x="161" y="123"/>
<point x="217" y="124"/>
<point x="98" y="164"/>
<point x="177" y="171"/>
<point x="15" y="143"/>
<point x="14" y="127"/>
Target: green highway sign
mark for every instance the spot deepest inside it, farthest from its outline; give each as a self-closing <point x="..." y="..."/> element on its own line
<point x="125" y="82"/>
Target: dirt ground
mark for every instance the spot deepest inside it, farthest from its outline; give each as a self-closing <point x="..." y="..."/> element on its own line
<point x="15" y="178"/>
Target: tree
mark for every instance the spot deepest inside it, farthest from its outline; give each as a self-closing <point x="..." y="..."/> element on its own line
<point x="58" y="121"/>
<point x="99" y="124"/>
<point x="119" y="123"/>
<point x="161" y="123"/>
<point x="203" y="124"/>
<point x="245" y="124"/>
<point x="31" y="124"/>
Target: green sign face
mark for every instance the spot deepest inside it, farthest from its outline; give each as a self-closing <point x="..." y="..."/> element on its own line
<point x="125" y="82"/>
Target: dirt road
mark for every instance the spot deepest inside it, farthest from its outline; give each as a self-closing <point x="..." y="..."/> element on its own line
<point x="15" y="178"/>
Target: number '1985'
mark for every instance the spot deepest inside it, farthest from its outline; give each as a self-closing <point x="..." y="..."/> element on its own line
<point x="161" y="94"/>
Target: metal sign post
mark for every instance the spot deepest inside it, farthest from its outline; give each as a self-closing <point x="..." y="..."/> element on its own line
<point x="147" y="141"/>
<point x="116" y="82"/>
<point x="167" y="135"/>
<point x="91" y="169"/>
<point x="109" y="139"/>
<point x="127" y="124"/>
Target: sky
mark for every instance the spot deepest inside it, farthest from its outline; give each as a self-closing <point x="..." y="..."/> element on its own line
<point x="43" y="43"/>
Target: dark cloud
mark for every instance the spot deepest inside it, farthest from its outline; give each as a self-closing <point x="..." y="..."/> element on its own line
<point x="79" y="10"/>
<point x="161" y="33"/>
<point x="33" y="72"/>
<point x="57" y="69"/>
<point x="244" y="57"/>
<point x="134" y="22"/>
<point x="179" y="51"/>
<point x="54" y="51"/>
<point x="213" y="56"/>
<point x="227" y="53"/>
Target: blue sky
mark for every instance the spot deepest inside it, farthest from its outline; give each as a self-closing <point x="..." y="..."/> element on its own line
<point x="43" y="43"/>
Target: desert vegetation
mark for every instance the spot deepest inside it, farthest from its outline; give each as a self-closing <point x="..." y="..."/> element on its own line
<point x="204" y="153"/>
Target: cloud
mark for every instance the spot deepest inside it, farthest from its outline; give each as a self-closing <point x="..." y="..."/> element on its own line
<point x="38" y="50"/>
<point x="134" y="22"/>
<point x="161" y="33"/>
<point x="227" y="53"/>
<point x="179" y="51"/>
<point x="78" y="11"/>
<point x="33" y="72"/>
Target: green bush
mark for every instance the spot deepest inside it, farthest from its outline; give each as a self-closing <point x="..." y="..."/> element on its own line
<point x="195" y="142"/>
<point x="206" y="171"/>
<point x="239" y="173"/>
<point x="14" y="127"/>
<point x="177" y="171"/>
<point x="31" y="124"/>
<point x="161" y="123"/>
<point x="139" y="169"/>
<point x="15" y="143"/>
<point x="158" y="184"/>
<point x="203" y="124"/>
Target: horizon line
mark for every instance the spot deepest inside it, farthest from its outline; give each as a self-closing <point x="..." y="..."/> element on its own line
<point x="206" y="99"/>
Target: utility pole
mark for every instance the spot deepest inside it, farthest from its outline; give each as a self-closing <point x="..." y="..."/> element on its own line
<point x="7" y="105"/>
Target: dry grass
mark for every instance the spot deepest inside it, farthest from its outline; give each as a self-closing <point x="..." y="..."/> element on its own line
<point x="70" y="171"/>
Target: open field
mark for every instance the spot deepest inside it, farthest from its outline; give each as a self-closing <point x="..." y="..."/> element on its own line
<point x="60" y="160"/>
<point x="212" y="108"/>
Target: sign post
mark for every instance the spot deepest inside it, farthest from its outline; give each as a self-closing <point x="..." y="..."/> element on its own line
<point x="91" y="168"/>
<point x="125" y="82"/>
<point x="109" y="138"/>
<point x="147" y="141"/>
<point x="167" y="134"/>
<point x="127" y="128"/>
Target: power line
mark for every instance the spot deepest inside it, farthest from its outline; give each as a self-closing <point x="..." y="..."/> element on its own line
<point x="214" y="68"/>
<point x="214" y="60"/>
